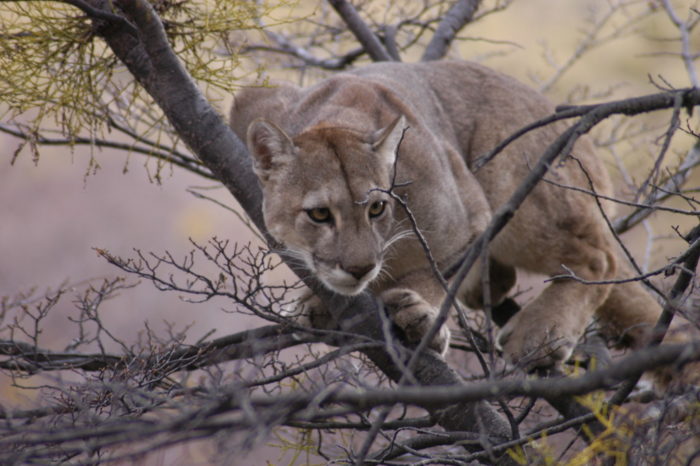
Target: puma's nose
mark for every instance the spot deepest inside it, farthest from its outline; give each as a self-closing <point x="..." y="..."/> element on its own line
<point x="359" y="271"/>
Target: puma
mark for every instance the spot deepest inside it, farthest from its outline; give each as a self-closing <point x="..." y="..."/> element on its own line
<point x="329" y="156"/>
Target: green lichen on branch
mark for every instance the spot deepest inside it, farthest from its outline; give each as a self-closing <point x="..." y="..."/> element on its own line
<point x="62" y="83"/>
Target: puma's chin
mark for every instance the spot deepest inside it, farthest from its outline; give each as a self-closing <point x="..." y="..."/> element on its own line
<point x="345" y="289"/>
<point x="343" y="283"/>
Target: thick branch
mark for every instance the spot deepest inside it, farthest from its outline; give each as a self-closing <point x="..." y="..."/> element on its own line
<point x="632" y="365"/>
<point x="362" y="32"/>
<point x="155" y="66"/>
<point x="459" y="14"/>
<point x="33" y="359"/>
<point x="242" y="345"/>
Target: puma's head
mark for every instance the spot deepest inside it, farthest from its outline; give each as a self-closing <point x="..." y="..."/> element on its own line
<point x="325" y="197"/>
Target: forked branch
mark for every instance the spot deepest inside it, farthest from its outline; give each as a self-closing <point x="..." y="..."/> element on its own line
<point x="362" y="32"/>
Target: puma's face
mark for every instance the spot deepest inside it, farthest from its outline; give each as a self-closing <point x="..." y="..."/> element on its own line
<point x="325" y="200"/>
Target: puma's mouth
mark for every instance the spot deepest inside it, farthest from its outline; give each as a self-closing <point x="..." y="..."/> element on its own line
<point x="342" y="282"/>
<point x="335" y="278"/>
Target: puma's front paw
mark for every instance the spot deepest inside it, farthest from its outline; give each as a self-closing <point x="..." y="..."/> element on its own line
<point x="415" y="316"/>
<point x="532" y="341"/>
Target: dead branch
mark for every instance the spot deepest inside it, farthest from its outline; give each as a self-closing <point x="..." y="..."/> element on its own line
<point x="660" y="193"/>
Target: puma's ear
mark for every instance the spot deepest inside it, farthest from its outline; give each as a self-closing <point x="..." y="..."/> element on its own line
<point x="386" y="141"/>
<point x="269" y="145"/>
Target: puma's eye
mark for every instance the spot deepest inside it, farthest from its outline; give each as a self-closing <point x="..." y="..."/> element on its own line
<point x="376" y="208"/>
<point x="319" y="214"/>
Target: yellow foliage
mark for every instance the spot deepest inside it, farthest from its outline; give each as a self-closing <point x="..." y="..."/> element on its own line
<point x="300" y="444"/>
<point x="51" y="64"/>
<point x="58" y="73"/>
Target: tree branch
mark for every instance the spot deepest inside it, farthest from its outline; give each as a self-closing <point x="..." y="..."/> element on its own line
<point x="687" y="272"/>
<point x="690" y="97"/>
<point x="459" y="14"/>
<point x="632" y="365"/>
<point x="359" y="28"/>
<point x="154" y="65"/>
<point x="288" y="47"/>
<point x="242" y="345"/>
<point x="660" y="193"/>
<point x="686" y="53"/>
<point x="158" y="151"/>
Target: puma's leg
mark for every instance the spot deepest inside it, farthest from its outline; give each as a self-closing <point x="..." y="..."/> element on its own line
<point x="628" y="318"/>
<point x="629" y="313"/>
<point x="413" y="303"/>
<point x="545" y="332"/>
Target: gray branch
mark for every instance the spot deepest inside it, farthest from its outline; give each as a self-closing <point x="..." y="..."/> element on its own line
<point x="286" y="46"/>
<point x="662" y="192"/>
<point x="362" y="32"/>
<point x="632" y="365"/>
<point x="459" y="14"/>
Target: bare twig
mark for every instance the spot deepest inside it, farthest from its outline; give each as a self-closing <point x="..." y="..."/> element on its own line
<point x="180" y="160"/>
<point x="662" y="192"/>
<point x="686" y="53"/>
<point x="288" y="47"/>
<point x="684" y="279"/>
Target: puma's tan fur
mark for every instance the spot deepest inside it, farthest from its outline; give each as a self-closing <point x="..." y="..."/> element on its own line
<point x="327" y="155"/>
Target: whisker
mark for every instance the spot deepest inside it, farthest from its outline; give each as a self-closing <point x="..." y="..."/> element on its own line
<point x="384" y="274"/>
<point x="298" y="257"/>
<point x="402" y="234"/>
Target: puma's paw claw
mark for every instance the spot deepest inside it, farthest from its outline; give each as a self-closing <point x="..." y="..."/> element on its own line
<point x="415" y="316"/>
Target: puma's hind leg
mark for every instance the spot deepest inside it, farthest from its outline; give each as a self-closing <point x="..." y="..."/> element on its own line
<point x="546" y="331"/>
<point x="629" y="313"/>
<point x="574" y="250"/>
<point x="628" y="318"/>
